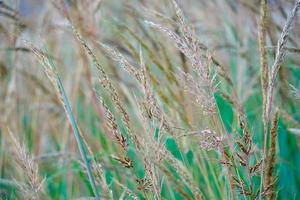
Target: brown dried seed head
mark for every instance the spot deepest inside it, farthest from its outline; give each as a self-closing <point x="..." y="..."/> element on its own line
<point x="272" y="151"/>
<point x="125" y="161"/>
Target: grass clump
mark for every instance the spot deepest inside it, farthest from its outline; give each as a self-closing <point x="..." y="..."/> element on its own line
<point x="150" y="100"/>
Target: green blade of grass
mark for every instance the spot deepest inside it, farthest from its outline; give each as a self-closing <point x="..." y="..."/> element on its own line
<point x="80" y="143"/>
<point x="54" y="77"/>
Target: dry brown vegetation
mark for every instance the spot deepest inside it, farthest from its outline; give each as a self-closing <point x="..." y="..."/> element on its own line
<point x="138" y="99"/>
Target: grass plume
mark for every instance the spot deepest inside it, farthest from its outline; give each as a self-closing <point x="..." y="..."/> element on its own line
<point x="150" y="99"/>
<point x="33" y="187"/>
<point x="270" y="180"/>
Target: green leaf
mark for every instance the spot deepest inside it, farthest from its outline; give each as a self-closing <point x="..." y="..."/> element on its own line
<point x="173" y="148"/>
<point x="137" y="162"/>
<point x="289" y="161"/>
<point x="76" y="131"/>
<point x="190" y="157"/>
<point x="226" y="112"/>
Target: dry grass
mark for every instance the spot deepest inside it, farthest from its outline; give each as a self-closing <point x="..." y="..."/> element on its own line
<point x="165" y="99"/>
<point x="33" y="186"/>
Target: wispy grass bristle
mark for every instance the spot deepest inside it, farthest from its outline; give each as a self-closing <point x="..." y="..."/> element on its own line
<point x="33" y="187"/>
<point x="280" y="55"/>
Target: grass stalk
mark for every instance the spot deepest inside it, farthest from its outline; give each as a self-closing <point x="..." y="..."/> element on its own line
<point x="279" y="58"/>
<point x="53" y="76"/>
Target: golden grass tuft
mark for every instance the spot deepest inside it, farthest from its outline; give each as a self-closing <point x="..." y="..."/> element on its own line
<point x="33" y="187"/>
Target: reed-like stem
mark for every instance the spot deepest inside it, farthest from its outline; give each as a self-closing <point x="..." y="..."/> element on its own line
<point x="280" y="55"/>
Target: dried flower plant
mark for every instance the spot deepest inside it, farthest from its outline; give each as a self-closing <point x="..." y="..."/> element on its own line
<point x="105" y="82"/>
<point x="83" y="147"/>
<point x="190" y="47"/>
<point x="136" y="123"/>
<point x="33" y="187"/>
<point x="263" y="55"/>
<point x="270" y="180"/>
<point x="280" y="55"/>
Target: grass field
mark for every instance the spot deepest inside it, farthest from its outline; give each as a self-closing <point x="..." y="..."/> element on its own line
<point x="150" y="99"/>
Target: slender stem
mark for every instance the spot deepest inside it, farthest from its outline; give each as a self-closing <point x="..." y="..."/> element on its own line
<point x="76" y="132"/>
